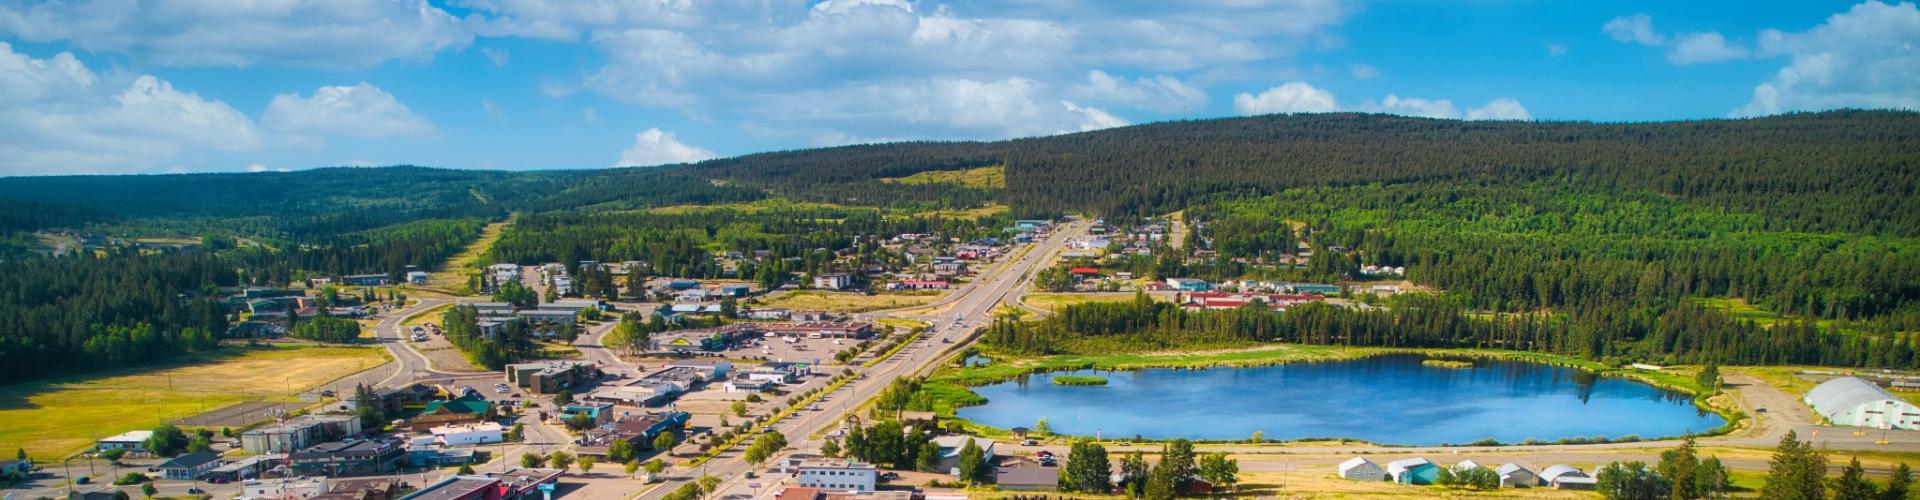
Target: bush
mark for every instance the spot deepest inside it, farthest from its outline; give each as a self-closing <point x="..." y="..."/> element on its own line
<point x="131" y="478"/>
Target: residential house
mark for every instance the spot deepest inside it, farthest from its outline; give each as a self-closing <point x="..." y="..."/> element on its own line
<point x="950" y="447"/>
<point x="191" y="466"/>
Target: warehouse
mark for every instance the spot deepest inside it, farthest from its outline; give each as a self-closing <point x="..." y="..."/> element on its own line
<point x="1855" y="402"/>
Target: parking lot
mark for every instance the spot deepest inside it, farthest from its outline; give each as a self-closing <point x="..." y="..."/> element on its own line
<point x="816" y="351"/>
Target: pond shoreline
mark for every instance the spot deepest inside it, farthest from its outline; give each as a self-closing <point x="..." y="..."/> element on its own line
<point x="952" y="386"/>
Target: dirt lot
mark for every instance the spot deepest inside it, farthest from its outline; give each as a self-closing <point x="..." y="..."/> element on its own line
<point x="844" y="302"/>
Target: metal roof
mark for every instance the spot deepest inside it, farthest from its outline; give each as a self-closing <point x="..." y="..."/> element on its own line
<point x="1354" y="462"/>
<point x="1557" y="470"/>
<point x="1835" y="396"/>
<point x="1512" y="468"/>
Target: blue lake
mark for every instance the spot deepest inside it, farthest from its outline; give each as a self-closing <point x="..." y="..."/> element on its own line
<point x="1387" y="400"/>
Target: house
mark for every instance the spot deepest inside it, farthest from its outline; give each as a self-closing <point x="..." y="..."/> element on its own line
<point x="1414" y="470"/>
<point x="468" y="434"/>
<point x="950" y="447"/>
<point x="1361" y="469"/>
<point x="191" y="466"/>
<point x="417" y="277"/>
<point x="1515" y="476"/>
<point x="468" y="409"/>
<point x="837" y="475"/>
<point x="1188" y="285"/>
<point x="298" y="432"/>
<point x="1855" y="402"/>
<point x="1084" y="271"/>
<point x="832" y="281"/>
<point x="1566" y="477"/>
<point x="352" y="457"/>
<point x="1027" y="477"/>
<point x="130" y="441"/>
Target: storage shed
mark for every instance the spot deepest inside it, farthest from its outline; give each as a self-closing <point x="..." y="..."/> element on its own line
<point x="1566" y="477"/>
<point x="1413" y="471"/>
<point x="1361" y="469"/>
<point x="1515" y="476"/>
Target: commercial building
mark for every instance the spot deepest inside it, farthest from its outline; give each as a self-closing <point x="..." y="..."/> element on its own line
<point x="837" y="475"/>
<point x="191" y="466"/>
<point x="547" y="377"/>
<point x="130" y="441"/>
<point x="245" y="468"/>
<point x="468" y="409"/>
<point x="299" y="432"/>
<point x="1855" y="402"/>
<point x="294" y="488"/>
<point x="636" y="431"/>
<point x="468" y="434"/>
<point x="1027" y="477"/>
<point x="351" y="457"/>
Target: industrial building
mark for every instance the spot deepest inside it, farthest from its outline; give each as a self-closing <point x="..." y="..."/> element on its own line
<point x="1852" y="401"/>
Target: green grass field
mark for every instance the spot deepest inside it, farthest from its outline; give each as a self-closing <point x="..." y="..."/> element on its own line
<point x="55" y="418"/>
<point x="994" y="177"/>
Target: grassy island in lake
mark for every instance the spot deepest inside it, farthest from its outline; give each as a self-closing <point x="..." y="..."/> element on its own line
<point x="1447" y="363"/>
<point x="1079" y="380"/>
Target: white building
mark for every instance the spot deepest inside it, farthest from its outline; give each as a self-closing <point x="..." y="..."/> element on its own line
<point x="1361" y="469"/>
<point x="130" y="441"/>
<point x="1855" y="402"/>
<point x="468" y="434"/>
<point x="1515" y="476"/>
<point x="834" y="281"/>
<point x="289" y="488"/>
<point x="837" y="475"/>
<point x="1566" y="477"/>
<point x="950" y="447"/>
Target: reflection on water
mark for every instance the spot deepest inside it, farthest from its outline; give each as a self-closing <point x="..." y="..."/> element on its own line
<point x="1388" y="399"/>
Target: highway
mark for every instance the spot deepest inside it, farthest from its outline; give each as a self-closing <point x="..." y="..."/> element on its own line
<point x="972" y="303"/>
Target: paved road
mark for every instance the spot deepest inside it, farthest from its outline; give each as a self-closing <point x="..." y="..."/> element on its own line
<point x="972" y="304"/>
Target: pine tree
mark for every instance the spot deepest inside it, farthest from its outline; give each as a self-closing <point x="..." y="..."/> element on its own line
<point x="1796" y="472"/>
<point x="1900" y="485"/>
<point x="1853" y="483"/>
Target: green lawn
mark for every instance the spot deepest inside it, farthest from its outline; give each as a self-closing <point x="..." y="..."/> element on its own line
<point x="994" y="177"/>
<point x="55" y="418"/>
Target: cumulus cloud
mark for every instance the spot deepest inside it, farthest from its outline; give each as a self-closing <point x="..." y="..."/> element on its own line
<point x="1690" y="48"/>
<point x="1161" y="93"/>
<point x="1554" y="49"/>
<point x="315" y="33"/>
<point x="362" y="111"/>
<point x="256" y="168"/>
<point x="1864" y="57"/>
<point x="1093" y="118"/>
<point x="1500" y="109"/>
<point x="1300" y="97"/>
<point x="58" y="116"/>
<point x="1637" y="28"/>
<point x="656" y="147"/>
<point x="1291" y="97"/>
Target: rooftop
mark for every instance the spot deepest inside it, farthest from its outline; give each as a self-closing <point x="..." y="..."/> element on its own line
<point x="453" y="488"/>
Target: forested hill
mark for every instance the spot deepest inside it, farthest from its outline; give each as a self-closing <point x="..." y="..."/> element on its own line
<point x="1853" y="171"/>
<point x="1842" y="170"/>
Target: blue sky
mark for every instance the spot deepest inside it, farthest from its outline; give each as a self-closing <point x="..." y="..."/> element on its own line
<point x="119" y="86"/>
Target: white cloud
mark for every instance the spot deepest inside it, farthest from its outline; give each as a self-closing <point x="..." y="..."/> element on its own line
<point x="1291" y="97"/>
<point x="1690" y="48"/>
<point x="1412" y="106"/>
<point x="588" y="115"/>
<point x="1364" y="72"/>
<point x="498" y="57"/>
<point x="1864" y="57"/>
<point x="1504" y="108"/>
<point x="656" y="147"/>
<point x="361" y="110"/>
<point x="493" y="110"/>
<point x="1637" y="28"/>
<point x="314" y="33"/>
<point x="1554" y="49"/>
<point x="57" y="116"/>
<point x="1300" y="97"/>
<point x="1093" y="118"/>
<point x="255" y="167"/>
<point x="1161" y="93"/>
